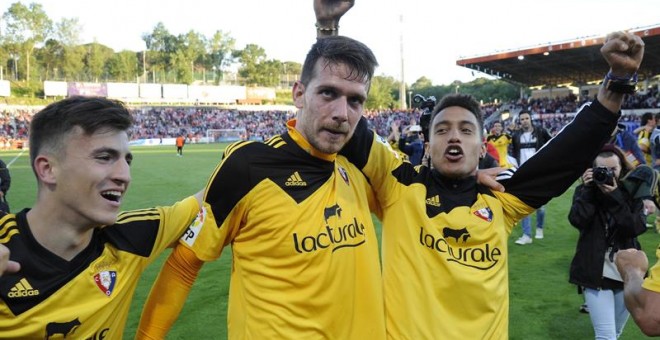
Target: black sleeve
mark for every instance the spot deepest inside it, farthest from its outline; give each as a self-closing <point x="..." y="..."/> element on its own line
<point x="583" y="209"/>
<point x="359" y="146"/>
<point x="556" y="166"/>
<point x="628" y="214"/>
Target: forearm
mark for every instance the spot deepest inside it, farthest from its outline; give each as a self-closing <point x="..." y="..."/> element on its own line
<point x="637" y="300"/>
<point x="168" y="294"/>
<point x="610" y="100"/>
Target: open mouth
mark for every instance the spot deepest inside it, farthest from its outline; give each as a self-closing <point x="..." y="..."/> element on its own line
<point x="112" y="195"/>
<point x="454" y="153"/>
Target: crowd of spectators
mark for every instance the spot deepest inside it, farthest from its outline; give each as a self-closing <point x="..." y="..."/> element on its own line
<point x="193" y="122"/>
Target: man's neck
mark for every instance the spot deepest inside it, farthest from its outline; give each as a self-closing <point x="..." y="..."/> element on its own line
<point x="55" y="233"/>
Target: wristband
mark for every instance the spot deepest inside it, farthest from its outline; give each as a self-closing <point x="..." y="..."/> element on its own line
<point x="630" y="79"/>
<point x="326" y="29"/>
<point x="623" y="85"/>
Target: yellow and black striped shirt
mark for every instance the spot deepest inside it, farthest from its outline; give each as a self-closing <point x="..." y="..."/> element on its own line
<point x="89" y="296"/>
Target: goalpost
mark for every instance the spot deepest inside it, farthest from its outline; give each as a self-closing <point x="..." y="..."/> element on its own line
<point x="225" y="135"/>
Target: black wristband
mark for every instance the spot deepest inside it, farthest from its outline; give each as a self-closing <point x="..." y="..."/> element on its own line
<point x="620" y="85"/>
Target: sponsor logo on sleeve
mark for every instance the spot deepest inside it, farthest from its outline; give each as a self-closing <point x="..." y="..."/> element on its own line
<point x="194" y="228"/>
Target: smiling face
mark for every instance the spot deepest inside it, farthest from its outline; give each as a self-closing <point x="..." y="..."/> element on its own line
<point x="330" y="106"/>
<point x="456" y="142"/>
<point x="497" y="128"/>
<point x="88" y="176"/>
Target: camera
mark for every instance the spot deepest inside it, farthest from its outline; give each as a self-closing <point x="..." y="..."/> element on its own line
<point x="603" y="175"/>
<point x="426" y="104"/>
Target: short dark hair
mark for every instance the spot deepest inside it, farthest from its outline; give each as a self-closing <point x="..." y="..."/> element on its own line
<point x="50" y="125"/>
<point x="337" y="50"/>
<point x="465" y="101"/>
<point x="525" y="112"/>
<point x="646" y="117"/>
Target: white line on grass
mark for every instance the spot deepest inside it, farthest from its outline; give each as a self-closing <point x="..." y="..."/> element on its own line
<point x="15" y="158"/>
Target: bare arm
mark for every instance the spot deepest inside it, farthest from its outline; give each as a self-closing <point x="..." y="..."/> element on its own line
<point x="643" y="304"/>
<point x="623" y="51"/>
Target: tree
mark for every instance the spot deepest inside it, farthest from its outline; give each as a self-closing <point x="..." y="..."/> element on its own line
<point x="161" y="45"/>
<point x="421" y="83"/>
<point x="73" y="66"/>
<point x="49" y="57"/>
<point x="122" y="66"/>
<point x="66" y="34"/>
<point x="380" y="93"/>
<point x="220" y="48"/>
<point x="291" y="70"/>
<point x="95" y="60"/>
<point x="250" y="57"/>
<point x="27" y="27"/>
<point x="191" y="50"/>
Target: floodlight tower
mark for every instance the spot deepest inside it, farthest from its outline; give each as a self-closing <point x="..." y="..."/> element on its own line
<point x="402" y="84"/>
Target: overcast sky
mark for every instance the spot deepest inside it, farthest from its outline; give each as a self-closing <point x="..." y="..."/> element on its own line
<point x="435" y="33"/>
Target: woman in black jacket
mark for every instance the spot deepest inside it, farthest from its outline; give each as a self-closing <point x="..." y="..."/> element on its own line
<point x="609" y="219"/>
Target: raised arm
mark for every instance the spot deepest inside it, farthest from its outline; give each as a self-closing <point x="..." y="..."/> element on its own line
<point x="328" y="13"/>
<point x="623" y="51"/>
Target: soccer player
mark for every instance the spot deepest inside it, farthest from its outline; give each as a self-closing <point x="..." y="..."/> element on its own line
<point x="445" y="237"/>
<point x="297" y="216"/>
<point x="501" y="141"/>
<point x="79" y="260"/>
<point x="180" y="141"/>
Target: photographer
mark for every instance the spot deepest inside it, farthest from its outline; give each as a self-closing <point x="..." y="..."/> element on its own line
<point x="608" y="218"/>
<point x="412" y="144"/>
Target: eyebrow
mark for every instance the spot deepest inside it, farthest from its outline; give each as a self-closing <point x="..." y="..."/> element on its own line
<point x="462" y="122"/>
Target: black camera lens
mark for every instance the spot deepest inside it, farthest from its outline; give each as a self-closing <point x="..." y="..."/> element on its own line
<point x="602" y="175"/>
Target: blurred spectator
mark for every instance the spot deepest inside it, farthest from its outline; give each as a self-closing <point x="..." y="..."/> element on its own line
<point x="5" y="183"/>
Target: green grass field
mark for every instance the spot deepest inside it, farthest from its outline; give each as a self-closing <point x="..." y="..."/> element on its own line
<point x="543" y="304"/>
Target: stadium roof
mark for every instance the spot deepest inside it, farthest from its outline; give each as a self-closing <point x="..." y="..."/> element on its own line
<point x="575" y="61"/>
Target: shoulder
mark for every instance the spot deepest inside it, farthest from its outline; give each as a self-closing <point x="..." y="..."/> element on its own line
<point x="8" y="227"/>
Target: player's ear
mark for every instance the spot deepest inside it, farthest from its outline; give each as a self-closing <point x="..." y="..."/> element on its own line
<point x="298" y="94"/>
<point x="45" y="168"/>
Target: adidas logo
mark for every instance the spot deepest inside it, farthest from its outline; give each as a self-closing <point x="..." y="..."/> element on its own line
<point x="434" y="201"/>
<point x="295" y="181"/>
<point x="22" y="289"/>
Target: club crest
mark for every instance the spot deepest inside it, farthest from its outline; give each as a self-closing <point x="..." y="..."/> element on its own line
<point x="105" y="280"/>
<point x="485" y="214"/>
<point x="343" y="174"/>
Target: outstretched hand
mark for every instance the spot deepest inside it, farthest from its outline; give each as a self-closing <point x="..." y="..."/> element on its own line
<point x="328" y="12"/>
<point x="623" y="51"/>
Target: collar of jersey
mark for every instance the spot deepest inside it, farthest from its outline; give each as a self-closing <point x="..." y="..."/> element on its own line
<point x="304" y="144"/>
<point x="454" y="184"/>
